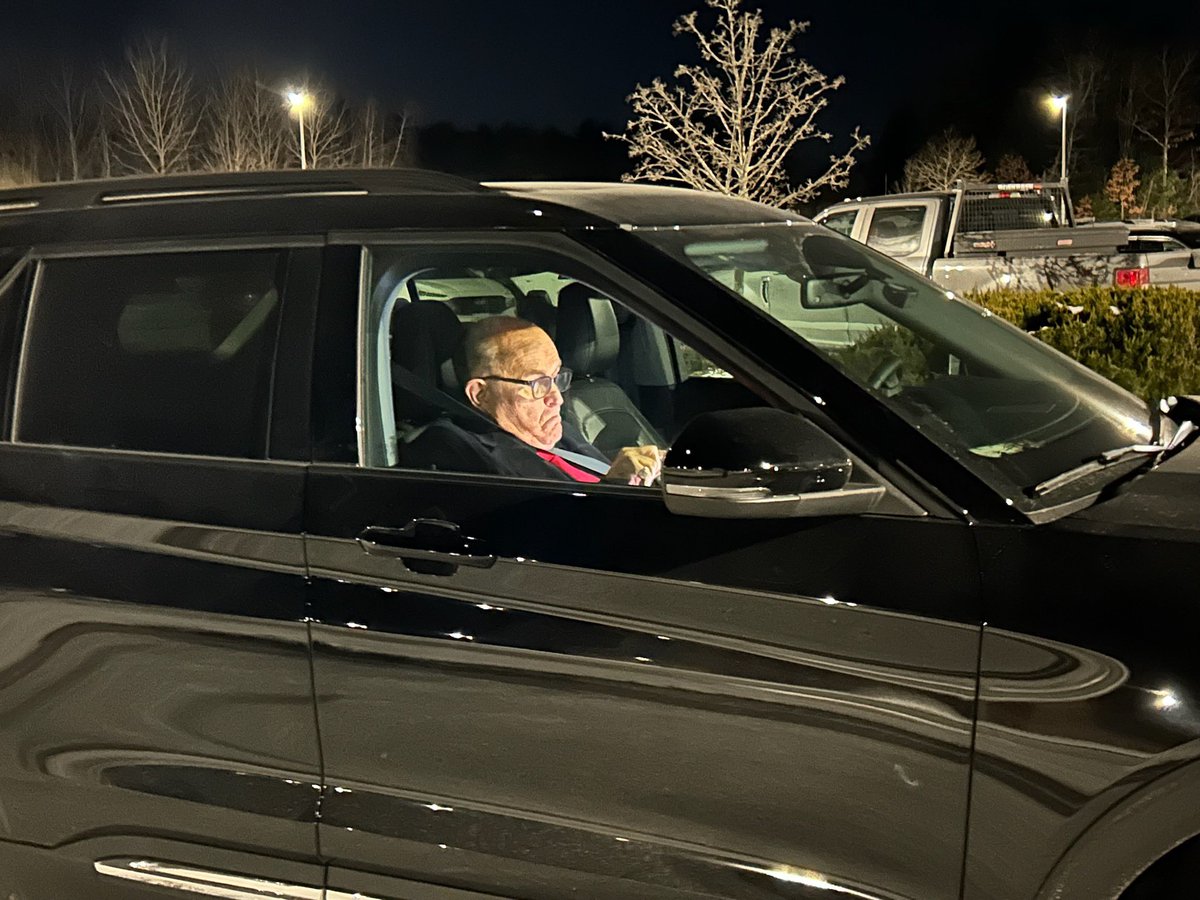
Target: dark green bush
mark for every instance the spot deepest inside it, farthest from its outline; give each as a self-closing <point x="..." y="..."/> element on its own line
<point x="864" y="357"/>
<point x="1144" y="339"/>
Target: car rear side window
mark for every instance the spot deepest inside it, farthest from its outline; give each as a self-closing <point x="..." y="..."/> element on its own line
<point x="164" y="352"/>
<point x="896" y="230"/>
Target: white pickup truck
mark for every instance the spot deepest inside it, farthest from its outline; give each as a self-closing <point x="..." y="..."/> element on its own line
<point x="977" y="237"/>
<point x="1168" y="249"/>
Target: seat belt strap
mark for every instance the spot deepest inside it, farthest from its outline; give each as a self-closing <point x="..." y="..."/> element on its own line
<point x="590" y="463"/>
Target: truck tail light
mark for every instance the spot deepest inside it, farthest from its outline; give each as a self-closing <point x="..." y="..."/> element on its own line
<point x="1132" y="277"/>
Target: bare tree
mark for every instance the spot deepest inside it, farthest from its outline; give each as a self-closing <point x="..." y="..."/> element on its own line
<point x="730" y="123"/>
<point x="948" y="158"/>
<point x="72" y="128"/>
<point x="1082" y="79"/>
<point x="1167" y="113"/>
<point x="19" y="160"/>
<point x="246" y="125"/>
<point x="1012" y="167"/>
<point x="154" y="112"/>
<point x="327" y="131"/>
<point x="374" y="141"/>
<point x="1127" y="109"/>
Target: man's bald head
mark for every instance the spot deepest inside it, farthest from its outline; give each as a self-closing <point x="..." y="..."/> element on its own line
<point x="490" y="344"/>
<point x="506" y="347"/>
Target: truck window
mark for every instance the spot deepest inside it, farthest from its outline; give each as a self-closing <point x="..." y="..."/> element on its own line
<point x="841" y="222"/>
<point x="896" y="230"/>
<point x="1028" y="208"/>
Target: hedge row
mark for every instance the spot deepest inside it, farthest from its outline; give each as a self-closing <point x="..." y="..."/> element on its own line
<point x="1145" y="339"/>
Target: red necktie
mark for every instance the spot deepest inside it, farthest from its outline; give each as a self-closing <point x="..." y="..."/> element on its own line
<point x="574" y="471"/>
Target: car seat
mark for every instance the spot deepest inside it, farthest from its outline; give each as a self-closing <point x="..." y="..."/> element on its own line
<point x="589" y="343"/>
<point x="536" y="307"/>
<point x="425" y="336"/>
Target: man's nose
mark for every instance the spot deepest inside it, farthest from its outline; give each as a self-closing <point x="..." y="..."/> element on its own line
<point x="555" y="397"/>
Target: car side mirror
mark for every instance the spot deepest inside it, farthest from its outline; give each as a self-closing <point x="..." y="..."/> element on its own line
<point x="761" y="463"/>
<point x="1194" y="262"/>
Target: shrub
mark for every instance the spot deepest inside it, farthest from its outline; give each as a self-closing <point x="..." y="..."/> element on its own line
<point x="864" y="357"/>
<point x="1144" y="339"/>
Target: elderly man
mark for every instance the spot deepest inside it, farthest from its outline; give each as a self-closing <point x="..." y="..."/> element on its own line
<point x="515" y="377"/>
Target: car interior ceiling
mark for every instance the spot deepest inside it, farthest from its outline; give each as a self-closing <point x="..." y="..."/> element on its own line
<point x="627" y="389"/>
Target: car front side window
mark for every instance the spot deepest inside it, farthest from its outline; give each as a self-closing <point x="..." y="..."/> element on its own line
<point x="632" y="385"/>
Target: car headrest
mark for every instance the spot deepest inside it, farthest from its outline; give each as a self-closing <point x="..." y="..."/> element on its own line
<point x="536" y="307"/>
<point x="886" y="229"/>
<point x="425" y="337"/>
<point x="588" y="340"/>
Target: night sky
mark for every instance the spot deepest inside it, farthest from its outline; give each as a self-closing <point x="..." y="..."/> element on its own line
<point x="547" y="63"/>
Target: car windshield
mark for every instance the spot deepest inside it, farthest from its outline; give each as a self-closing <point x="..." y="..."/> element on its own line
<point x="1013" y="409"/>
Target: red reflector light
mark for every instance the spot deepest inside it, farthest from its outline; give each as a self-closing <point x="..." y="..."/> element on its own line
<point x="1132" y="277"/>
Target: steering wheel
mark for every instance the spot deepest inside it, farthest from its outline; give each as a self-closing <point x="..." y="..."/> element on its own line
<point x="884" y="372"/>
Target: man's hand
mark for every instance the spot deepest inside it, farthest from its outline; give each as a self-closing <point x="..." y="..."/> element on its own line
<point x="636" y="465"/>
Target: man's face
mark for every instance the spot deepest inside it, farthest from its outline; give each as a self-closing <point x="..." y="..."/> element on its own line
<point x="526" y="354"/>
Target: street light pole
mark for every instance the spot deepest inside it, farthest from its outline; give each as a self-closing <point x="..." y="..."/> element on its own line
<point x="297" y="100"/>
<point x="1058" y="102"/>
<point x="1063" y="171"/>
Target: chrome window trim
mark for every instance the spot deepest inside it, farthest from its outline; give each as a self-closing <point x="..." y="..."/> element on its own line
<point x="523" y="481"/>
<point x="203" y="881"/>
<point x="15" y="271"/>
<point x="19" y="205"/>
<point x="22" y="367"/>
<point x="154" y="454"/>
<point x="228" y="193"/>
<point x="142" y="247"/>
<point x="6" y="282"/>
<point x="360" y="355"/>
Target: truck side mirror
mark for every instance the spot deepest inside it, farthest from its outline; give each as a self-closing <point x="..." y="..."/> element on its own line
<point x="761" y="463"/>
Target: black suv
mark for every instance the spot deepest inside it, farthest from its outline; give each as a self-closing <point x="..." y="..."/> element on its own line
<point x="909" y="616"/>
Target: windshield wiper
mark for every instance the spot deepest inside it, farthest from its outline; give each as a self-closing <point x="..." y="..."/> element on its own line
<point x="1152" y="452"/>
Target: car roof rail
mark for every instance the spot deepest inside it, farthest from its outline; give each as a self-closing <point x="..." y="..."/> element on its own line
<point x="78" y="195"/>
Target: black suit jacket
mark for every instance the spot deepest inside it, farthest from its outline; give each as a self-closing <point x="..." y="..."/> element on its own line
<point x="449" y="447"/>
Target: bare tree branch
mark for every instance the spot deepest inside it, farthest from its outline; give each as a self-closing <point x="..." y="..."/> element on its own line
<point x="247" y="128"/>
<point x="375" y="142"/>
<point x="1081" y="77"/>
<point x="730" y="123"/>
<point x="948" y="158"/>
<point x="70" y="138"/>
<point x="19" y="160"/>
<point x="153" y="109"/>
<point x="327" y="130"/>
<point x="1167" y="114"/>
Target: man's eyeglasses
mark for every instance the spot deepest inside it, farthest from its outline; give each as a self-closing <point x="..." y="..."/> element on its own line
<point x="540" y="386"/>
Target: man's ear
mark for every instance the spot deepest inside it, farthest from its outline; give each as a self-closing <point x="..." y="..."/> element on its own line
<point x="474" y="390"/>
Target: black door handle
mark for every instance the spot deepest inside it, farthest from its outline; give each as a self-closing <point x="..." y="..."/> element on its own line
<point x="426" y="546"/>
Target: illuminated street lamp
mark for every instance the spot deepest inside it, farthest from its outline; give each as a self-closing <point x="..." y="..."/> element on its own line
<point x="1058" y="103"/>
<point x="298" y="101"/>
